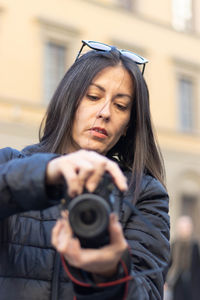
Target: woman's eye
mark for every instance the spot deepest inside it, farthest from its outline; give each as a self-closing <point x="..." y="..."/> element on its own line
<point x="92" y="97"/>
<point x="121" y="107"/>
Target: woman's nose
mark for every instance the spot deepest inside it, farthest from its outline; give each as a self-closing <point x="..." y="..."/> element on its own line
<point x="105" y="111"/>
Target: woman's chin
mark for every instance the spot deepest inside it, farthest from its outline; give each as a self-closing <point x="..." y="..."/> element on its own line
<point x="96" y="148"/>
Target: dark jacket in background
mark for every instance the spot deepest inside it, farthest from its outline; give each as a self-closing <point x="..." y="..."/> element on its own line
<point x="183" y="277"/>
<point x="30" y="268"/>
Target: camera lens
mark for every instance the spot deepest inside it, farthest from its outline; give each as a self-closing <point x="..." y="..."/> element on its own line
<point x="88" y="217"/>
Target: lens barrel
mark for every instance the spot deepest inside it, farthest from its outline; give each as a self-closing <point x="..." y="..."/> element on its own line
<point x="89" y="219"/>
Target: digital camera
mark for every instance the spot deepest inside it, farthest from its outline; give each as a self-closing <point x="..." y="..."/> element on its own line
<point x="89" y="214"/>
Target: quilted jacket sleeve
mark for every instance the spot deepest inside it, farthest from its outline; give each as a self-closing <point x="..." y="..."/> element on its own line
<point x="22" y="181"/>
<point x="149" y="244"/>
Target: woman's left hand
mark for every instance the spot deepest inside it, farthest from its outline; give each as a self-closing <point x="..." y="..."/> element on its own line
<point x="102" y="261"/>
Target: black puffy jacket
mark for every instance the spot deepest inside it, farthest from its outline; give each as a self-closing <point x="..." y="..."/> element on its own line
<point x="30" y="268"/>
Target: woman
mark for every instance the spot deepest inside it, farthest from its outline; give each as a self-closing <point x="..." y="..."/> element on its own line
<point x="101" y="106"/>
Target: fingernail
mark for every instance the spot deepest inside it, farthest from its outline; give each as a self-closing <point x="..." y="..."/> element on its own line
<point x="73" y="194"/>
<point x="91" y="187"/>
<point x="114" y="217"/>
<point x="64" y="214"/>
<point x="125" y="187"/>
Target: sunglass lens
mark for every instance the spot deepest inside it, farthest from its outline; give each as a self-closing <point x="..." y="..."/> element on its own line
<point x="138" y="59"/>
<point x="98" y="46"/>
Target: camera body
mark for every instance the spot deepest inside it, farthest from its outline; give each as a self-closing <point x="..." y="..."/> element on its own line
<point x="89" y="214"/>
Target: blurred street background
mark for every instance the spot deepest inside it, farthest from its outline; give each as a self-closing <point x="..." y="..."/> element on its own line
<point x="39" y="40"/>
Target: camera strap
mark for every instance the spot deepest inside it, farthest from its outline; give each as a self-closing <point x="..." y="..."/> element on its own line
<point x="76" y="276"/>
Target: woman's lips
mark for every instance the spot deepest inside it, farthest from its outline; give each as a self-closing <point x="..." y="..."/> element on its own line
<point x="99" y="132"/>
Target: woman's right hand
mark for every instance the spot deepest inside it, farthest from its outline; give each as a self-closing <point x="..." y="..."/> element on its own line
<point x="81" y="169"/>
<point x="102" y="261"/>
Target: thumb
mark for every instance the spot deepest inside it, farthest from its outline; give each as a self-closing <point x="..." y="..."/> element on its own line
<point x="116" y="233"/>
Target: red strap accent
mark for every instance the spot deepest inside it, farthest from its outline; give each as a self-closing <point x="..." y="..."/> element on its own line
<point x="71" y="276"/>
<point x="106" y="284"/>
<point x="126" y="273"/>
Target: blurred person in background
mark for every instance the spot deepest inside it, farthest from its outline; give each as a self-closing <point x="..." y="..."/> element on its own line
<point x="97" y="121"/>
<point x="183" y="278"/>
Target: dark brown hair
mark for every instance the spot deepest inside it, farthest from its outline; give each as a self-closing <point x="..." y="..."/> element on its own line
<point x="137" y="150"/>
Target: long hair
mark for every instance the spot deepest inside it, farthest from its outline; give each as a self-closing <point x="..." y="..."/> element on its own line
<point x="137" y="150"/>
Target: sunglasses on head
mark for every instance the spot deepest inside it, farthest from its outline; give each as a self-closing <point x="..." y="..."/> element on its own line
<point x="104" y="47"/>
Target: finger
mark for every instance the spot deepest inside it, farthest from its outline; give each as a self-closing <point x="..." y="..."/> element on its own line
<point x="62" y="227"/>
<point x="55" y="232"/>
<point x="102" y="163"/>
<point x="62" y="240"/>
<point x="65" y="213"/>
<point x="61" y="237"/>
<point x="117" y="175"/>
<point x="66" y="224"/>
<point x="99" y="167"/>
<point x="116" y="233"/>
<point x="95" y="178"/>
<point x="71" y="177"/>
<point x="87" y="169"/>
<point x="76" y="174"/>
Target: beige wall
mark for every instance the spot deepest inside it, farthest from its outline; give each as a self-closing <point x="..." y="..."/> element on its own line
<point x="26" y="25"/>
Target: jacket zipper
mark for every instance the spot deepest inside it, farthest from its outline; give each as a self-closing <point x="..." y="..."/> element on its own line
<point x="55" y="279"/>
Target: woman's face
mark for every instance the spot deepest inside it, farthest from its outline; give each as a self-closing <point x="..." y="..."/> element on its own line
<point x="104" y="112"/>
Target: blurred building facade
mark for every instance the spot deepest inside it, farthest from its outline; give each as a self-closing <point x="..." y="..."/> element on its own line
<point x="39" y="41"/>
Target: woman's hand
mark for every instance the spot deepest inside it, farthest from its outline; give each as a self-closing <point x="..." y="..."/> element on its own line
<point x="83" y="169"/>
<point x="101" y="261"/>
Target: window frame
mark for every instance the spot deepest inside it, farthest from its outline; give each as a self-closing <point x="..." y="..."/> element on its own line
<point x="48" y="79"/>
<point x="61" y="34"/>
<point x="188" y="71"/>
<point x="187" y="24"/>
<point x="185" y="103"/>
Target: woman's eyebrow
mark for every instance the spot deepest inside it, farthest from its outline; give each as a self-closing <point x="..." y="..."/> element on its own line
<point x="103" y="90"/>
<point x="121" y="95"/>
<point x="98" y="86"/>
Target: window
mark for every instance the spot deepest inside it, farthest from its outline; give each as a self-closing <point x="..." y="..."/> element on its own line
<point x="126" y="4"/>
<point x="55" y="66"/>
<point x="182" y="15"/>
<point x="58" y="42"/>
<point x="186" y="105"/>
